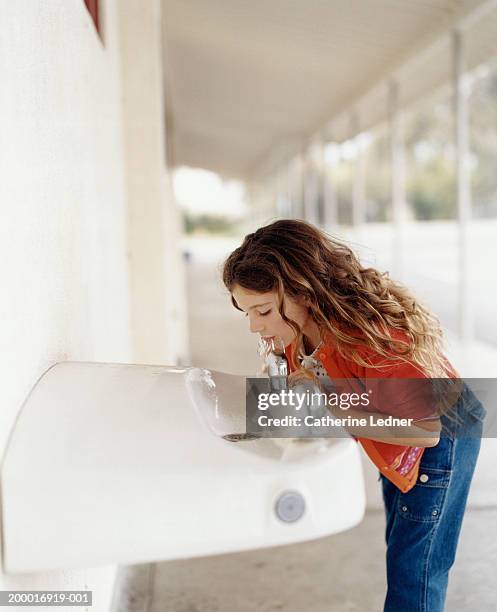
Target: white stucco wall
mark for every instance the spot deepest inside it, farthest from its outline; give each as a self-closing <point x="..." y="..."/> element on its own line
<point x="65" y="247"/>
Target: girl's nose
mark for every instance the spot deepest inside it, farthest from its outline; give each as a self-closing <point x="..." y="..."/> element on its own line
<point x="255" y="327"/>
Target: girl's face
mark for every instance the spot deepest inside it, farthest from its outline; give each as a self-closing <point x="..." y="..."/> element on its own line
<point x="264" y="317"/>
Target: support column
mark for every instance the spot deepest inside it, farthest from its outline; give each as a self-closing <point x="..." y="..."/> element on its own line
<point x="298" y="186"/>
<point x="310" y="187"/>
<point x="288" y="190"/>
<point x="464" y="302"/>
<point x="358" y="184"/>
<point x="281" y="194"/>
<point x="148" y="200"/>
<point x="330" y="209"/>
<point x="398" y="180"/>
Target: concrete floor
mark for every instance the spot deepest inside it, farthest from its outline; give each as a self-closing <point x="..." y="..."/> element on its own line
<point x="340" y="573"/>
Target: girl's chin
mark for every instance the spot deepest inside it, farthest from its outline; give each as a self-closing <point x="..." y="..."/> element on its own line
<point x="287" y="340"/>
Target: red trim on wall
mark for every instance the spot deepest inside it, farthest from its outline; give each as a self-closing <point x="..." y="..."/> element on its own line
<point x="92" y="6"/>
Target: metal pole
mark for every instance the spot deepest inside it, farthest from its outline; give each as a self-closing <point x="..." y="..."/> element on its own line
<point x="290" y="188"/>
<point x="464" y="303"/>
<point x="280" y="194"/>
<point x="398" y="179"/>
<point x="306" y="184"/>
<point x="310" y="186"/>
<point x="318" y="158"/>
<point x="299" y="186"/>
<point x="358" y="184"/>
<point x="330" y="215"/>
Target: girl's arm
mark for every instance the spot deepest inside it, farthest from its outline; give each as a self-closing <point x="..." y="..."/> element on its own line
<point x="413" y="435"/>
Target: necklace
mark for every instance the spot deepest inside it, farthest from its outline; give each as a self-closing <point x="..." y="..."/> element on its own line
<point x="308" y="361"/>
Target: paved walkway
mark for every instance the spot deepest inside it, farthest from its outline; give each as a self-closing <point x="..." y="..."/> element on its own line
<point x="341" y="573"/>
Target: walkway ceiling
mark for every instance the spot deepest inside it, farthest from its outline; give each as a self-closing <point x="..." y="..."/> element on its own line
<point x="248" y="83"/>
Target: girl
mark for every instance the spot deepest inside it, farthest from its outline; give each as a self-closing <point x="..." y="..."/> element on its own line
<point x="340" y="320"/>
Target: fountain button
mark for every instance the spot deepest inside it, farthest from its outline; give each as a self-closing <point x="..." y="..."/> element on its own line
<point x="290" y="506"/>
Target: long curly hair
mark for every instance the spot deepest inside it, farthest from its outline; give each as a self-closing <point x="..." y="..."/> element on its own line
<point x="355" y="307"/>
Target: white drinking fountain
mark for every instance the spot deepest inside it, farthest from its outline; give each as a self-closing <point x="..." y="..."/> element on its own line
<point x="120" y="464"/>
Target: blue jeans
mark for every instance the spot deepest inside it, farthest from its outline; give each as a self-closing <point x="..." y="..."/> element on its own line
<point x="423" y="525"/>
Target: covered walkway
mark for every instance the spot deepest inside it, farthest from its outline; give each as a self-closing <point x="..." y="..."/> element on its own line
<point x="374" y="119"/>
<point x="338" y="113"/>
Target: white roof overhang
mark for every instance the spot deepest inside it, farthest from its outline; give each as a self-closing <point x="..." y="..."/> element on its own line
<point x="248" y="83"/>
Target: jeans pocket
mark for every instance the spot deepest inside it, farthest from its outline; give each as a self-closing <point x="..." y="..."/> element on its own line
<point x="424" y="502"/>
<point x="477" y="411"/>
<point x="472" y="405"/>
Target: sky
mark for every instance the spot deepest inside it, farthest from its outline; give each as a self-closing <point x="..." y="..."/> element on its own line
<point x="203" y="192"/>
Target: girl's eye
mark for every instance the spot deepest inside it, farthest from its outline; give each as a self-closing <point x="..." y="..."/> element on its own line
<point x="261" y="314"/>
